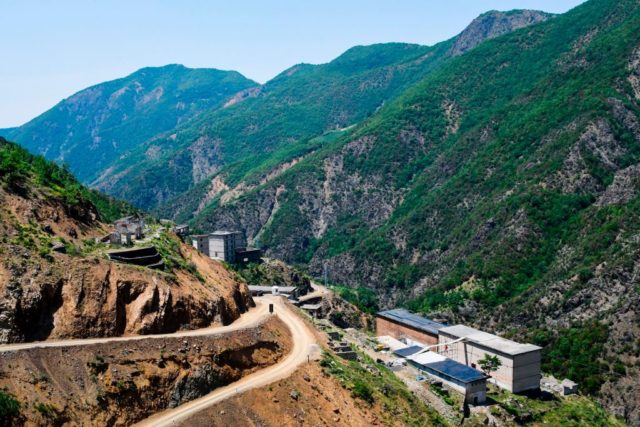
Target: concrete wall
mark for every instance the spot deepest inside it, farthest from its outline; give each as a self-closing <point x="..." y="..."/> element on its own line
<point x="217" y="248"/>
<point x="201" y="244"/>
<point x="399" y="331"/>
<point x="516" y="374"/>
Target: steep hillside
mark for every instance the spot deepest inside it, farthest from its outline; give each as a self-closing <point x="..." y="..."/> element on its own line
<point x="122" y="382"/>
<point x="502" y="190"/>
<point x="281" y="120"/>
<point x="55" y="282"/>
<point x="96" y="126"/>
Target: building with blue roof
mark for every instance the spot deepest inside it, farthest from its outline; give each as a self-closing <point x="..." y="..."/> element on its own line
<point x="468" y="381"/>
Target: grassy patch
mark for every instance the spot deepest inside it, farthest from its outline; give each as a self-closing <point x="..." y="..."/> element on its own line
<point x="376" y="385"/>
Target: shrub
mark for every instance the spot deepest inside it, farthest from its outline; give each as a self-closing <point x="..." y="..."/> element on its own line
<point x="363" y="391"/>
<point x="9" y="408"/>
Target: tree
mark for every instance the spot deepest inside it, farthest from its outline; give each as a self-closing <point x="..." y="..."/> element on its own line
<point x="489" y="364"/>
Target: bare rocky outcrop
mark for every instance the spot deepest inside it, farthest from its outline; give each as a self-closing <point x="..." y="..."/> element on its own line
<point x="597" y="141"/>
<point x="205" y="157"/>
<point x="625" y="186"/>
<point x="493" y="24"/>
<point x="634" y="72"/>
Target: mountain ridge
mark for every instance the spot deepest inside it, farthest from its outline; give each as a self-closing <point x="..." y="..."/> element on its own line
<point x="506" y="199"/>
<point x="107" y="119"/>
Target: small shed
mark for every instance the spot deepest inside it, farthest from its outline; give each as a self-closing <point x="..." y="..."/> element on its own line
<point x="471" y="383"/>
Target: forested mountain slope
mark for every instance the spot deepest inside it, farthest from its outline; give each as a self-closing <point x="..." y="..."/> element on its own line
<point x="277" y="120"/>
<point x="503" y="190"/>
<point x="93" y="128"/>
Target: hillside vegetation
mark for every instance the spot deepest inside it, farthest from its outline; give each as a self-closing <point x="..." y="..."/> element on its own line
<point x="501" y="191"/>
<point x="93" y="128"/>
<point x="280" y="117"/>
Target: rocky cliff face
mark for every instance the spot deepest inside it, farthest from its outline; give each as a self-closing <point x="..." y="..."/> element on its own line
<point x="493" y="24"/>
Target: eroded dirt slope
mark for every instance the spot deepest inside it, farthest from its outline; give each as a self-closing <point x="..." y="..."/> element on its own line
<point x="45" y="294"/>
<point x="119" y="383"/>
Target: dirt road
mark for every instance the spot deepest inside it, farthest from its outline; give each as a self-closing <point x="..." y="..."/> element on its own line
<point x="303" y="347"/>
<point x="253" y="317"/>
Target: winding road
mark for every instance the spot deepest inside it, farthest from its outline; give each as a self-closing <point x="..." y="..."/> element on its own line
<point x="249" y="319"/>
<point x="304" y="346"/>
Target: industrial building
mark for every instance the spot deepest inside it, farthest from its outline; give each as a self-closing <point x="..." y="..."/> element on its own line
<point x="520" y="363"/>
<point x="404" y="325"/>
<point x="471" y="383"/>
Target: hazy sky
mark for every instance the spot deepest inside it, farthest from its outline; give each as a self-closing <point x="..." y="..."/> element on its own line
<point x="52" y="49"/>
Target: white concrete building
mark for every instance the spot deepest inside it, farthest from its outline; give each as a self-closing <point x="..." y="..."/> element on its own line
<point x="520" y="368"/>
<point x="223" y="245"/>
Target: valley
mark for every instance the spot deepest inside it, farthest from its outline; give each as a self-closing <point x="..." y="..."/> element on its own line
<point x="340" y="244"/>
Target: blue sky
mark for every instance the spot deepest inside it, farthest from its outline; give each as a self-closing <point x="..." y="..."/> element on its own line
<point x="52" y="49"/>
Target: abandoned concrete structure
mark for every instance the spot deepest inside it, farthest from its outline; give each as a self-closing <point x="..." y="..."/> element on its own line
<point x="471" y="383"/>
<point x="520" y="363"/>
<point x="248" y="255"/>
<point x="287" y="291"/>
<point x="201" y="243"/>
<point x="145" y="257"/>
<point x="402" y="325"/>
<point x="133" y="225"/>
<point x="127" y="230"/>
<point x="226" y="246"/>
<point x="223" y="245"/>
<point x="182" y="231"/>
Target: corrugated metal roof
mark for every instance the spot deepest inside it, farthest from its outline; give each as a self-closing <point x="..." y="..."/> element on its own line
<point x="427" y="357"/>
<point x="415" y="321"/>
<point x="488" y="340"/>
<point x="455" y="370"/>
<point x="407" y="351"/>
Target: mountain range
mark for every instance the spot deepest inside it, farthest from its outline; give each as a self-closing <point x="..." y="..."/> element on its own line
<point x="491" y="179"/>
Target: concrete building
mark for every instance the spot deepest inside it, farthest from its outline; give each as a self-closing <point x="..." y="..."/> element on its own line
<point x="223" y="245"/>
<point x="520" y="368"/>
<point x="248" y="255"/>
<point x="182" y="231"/>
<point x="201" y="243"/>
<point x="130" y="225"/>
<point x="402" y="325"/>
<point x="471" y="383"/>
<point x="287" y="291"/>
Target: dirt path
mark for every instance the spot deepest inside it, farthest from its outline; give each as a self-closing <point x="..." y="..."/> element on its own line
<point x="318" y="292"/>
<point x="303" y="347"/>
<point x="249" y="319"/>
